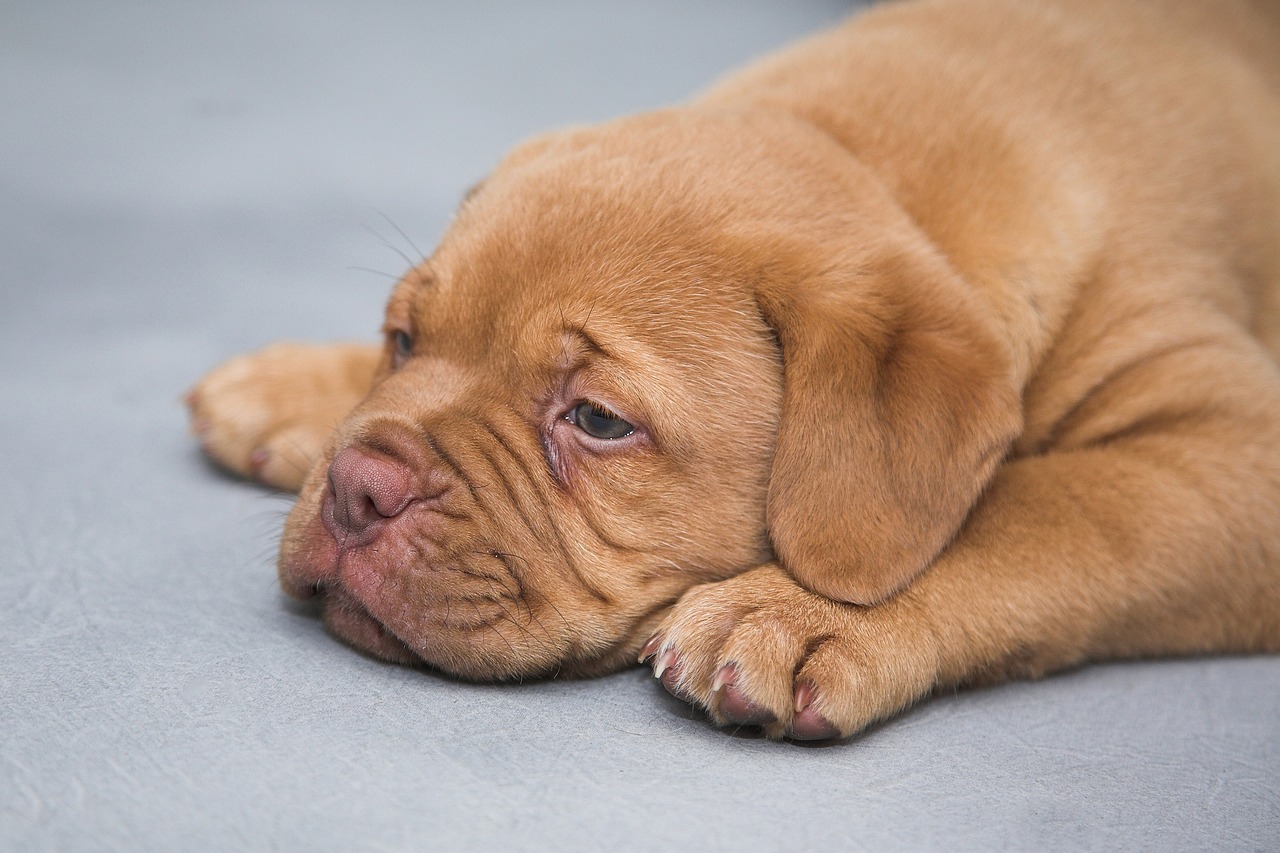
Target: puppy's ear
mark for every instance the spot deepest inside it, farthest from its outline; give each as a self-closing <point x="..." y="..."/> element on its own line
<point x="898" y="404"/>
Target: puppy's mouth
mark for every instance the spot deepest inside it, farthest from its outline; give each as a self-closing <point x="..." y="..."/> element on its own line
<point x="349" y="620"/>
<point x="401" y="598"/>
<point x="317" y="579"/>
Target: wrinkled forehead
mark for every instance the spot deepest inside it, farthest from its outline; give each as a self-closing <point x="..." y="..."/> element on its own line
<point x="533" y="324"/>
<point x="530" y="265"/>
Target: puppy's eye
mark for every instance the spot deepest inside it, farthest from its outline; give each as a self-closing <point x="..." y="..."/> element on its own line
<point x="598" y="422"/>
<point x="401" y="347"/>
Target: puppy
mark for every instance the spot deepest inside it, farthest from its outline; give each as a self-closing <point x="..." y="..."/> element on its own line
<point x="937" y="349"/>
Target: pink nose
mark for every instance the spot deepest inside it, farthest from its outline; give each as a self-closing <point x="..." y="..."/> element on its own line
<point x="368" y="489"/>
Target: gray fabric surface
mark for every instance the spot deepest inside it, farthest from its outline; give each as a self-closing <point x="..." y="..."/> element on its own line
<point x="179" y="183"/>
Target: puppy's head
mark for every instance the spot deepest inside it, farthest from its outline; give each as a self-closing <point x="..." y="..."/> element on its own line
<point x="645" y="356"/>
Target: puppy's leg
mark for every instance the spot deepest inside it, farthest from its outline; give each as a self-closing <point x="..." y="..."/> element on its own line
<point x="268" y="414"/>
<point x="1150" y="528"/>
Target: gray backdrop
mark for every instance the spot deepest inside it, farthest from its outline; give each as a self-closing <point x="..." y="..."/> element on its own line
<point x="179" y="183"/>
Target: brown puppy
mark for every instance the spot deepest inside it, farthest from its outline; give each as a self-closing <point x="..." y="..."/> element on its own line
<point x="937" y="349"/>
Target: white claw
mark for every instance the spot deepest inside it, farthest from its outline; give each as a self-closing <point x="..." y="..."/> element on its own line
<point x="722" y="677"/>
<point x="664" y="660"/>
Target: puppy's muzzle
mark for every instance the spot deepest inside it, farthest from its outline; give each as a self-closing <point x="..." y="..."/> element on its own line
<point x="368" y="511"/>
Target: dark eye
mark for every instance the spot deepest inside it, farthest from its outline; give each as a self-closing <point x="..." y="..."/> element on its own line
<point x="401" y="347"/>
<point x="598" y="422"/>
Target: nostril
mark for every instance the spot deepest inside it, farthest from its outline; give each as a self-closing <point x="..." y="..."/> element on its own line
<point x="366" y="489"/>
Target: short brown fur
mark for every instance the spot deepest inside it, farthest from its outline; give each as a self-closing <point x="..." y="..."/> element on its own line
<point x="949" y="338"/>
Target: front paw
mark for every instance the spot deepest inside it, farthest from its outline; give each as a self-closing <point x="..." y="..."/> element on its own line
<point x="760" y="650"/>
<point x="267" y="415"/>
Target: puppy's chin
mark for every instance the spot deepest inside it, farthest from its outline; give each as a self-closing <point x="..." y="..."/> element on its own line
<point x="348" y="620"/>
<point x="482" y="653"/>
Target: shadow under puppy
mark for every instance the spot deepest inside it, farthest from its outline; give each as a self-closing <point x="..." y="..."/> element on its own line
<point x="937" y="349"/>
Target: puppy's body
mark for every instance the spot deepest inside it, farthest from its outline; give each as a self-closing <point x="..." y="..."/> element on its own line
<point x="947" y="342"/>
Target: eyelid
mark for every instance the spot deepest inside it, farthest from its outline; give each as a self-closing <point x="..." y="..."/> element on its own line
<point x="607" y="386"/>
<point x="575" y="416"/>
<point x="399" y="355"/>
<point x="390" y="327"/>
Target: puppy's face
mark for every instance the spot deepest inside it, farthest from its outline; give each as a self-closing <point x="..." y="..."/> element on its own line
<point x="580" y="411"/>
<point x="573" y="424"/>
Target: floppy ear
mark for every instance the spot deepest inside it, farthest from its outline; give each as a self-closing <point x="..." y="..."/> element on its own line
<point x="898" y="404"/>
